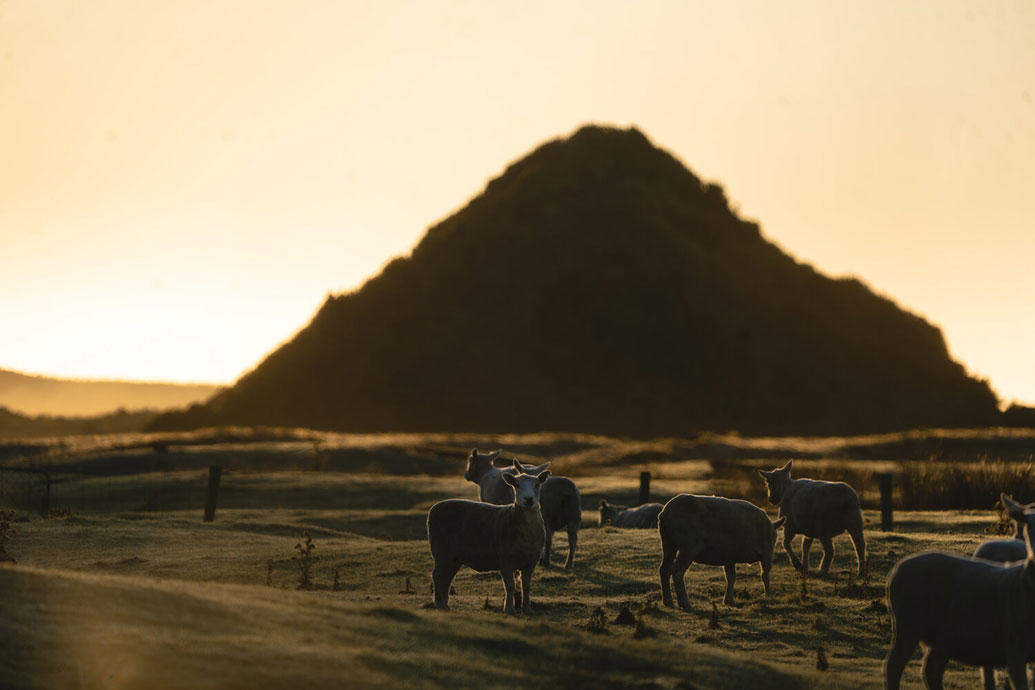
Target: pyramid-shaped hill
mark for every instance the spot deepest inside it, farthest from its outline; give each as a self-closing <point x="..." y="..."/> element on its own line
<point x="600" y="286"/>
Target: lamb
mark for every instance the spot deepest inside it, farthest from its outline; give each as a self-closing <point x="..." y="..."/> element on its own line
<point x="640" y="517"/>
<point x="969" y="610"/>
<point x="816" y="510"/>
<point x="487" y="537"/>
<point x="1007" y="550"/>
<point x="713" y="531"/>
<point x="560" y="501"/>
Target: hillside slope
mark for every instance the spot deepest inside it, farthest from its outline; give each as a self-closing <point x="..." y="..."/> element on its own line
<point x="599" y="286"/>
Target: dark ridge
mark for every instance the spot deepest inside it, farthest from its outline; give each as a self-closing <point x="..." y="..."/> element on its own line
<point x="598" y="285"/>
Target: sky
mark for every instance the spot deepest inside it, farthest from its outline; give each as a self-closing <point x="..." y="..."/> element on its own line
<point x="183" y="183"/>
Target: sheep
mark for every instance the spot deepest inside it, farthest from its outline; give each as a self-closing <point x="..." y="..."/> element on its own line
<point x="487" y="537"/>
<point x="560" y="501"/>
<point x="713" y="531"/>
<point x="962" y="609"/>
<point x="816" y="510"/>
<point x="1007" y="550"/>
<point x="640" y="517"/>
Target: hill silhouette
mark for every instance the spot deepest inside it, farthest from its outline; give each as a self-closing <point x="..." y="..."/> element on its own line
<point x="598" y="285"/>
<point x="41" y="395"/>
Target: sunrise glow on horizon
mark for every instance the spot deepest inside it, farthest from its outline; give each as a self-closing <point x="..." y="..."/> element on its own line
<point x="183" y="184"/>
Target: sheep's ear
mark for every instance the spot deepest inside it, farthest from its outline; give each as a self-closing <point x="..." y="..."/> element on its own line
<point x="474" y="452"/>
<point x="539" y="470"/>
<point x="495" y="454"/>
<point x="764" y="474"/>
<point x="603" y="503"/>
<point x="510" y="479"/>
<point x="777" y="524"/>
<point x="787" y="467"/>
<point x="517" y="465"/>
<point x="1013" y="508"/>
<point x="544" y="476"/>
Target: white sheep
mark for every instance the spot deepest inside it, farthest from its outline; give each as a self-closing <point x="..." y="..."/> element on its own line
<point x="560" y="500"/>
<point x="1007" y="550"/>
<point x="640" y="517"/>
<point x="973" y="611"/>
<point x="816" y="510"/>
<point x="713" y="531"/>
<point x="487" y="537"/>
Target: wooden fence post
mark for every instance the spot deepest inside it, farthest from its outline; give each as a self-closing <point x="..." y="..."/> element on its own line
<point x="212" y="495"/>
<point x="644" y="488"/>
<point x="887" y="520"/>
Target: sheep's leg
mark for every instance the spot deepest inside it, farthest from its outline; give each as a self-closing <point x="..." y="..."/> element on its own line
<point x="765" y="567"/>
<point x="526" y="590"/>
<point x="828" y="554"/>
<point x="856" y="533"/>
<point x="668" y="555"/>
<point x="934" y="668"/>
<point x="683" y="561"/>
<point x="788" y="535"/>
<point x="902" y="648"/>
<point x="806" y="546"/>
<point x="731" y="577"/>
<point x="988" y="677"/>
<point x="573" y="540"/>
<point x="442" y="577"/>
<point x="547" y="544"/>
<point x="508" y="584"/>
<point x="517" y="591"/>
<point x="1017" y="669"/>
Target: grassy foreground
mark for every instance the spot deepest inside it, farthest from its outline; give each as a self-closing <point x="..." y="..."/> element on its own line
<point x="130" y="598"/>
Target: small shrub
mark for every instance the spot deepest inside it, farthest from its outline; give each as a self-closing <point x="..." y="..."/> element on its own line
<point x="597" y="621"/>
<point x="305" y="560"/>
<point x="643" y="630"/>
<point x="625" y="617"/>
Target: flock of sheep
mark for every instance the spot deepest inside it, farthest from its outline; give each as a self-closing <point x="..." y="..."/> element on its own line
<point x="979" y="611"/>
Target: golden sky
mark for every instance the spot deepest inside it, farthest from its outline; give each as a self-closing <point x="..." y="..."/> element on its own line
<point x="182" y="183"/>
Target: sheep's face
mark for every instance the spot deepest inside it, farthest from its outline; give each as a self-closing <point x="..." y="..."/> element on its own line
<point x="777" y="482"/>
<point x="526" y="488"/>
<point x="1018" y="512"/>
<point x="478" y="464"/>
<point x="608" y="512"/>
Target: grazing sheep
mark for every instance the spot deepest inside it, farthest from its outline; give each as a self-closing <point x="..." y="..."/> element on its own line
<point x="973" y="611"/>
<point x="713" y="531"/>
<point x="487" y="537"/>
<point x="1007" y="550"/>
<point x="640" y="517"/>
<point x="560" y="500"/>
<point x="816" y="510"/>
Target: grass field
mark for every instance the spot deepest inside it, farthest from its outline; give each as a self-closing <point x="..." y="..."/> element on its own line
<point x="128" y="588"/>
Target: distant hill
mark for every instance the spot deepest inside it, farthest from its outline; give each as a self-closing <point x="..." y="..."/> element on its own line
<point x="598" y="285"/>
<point x="39" y="395"/>
<point x="14" y="425"/>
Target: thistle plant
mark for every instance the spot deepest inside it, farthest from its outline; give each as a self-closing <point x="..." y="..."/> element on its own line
<point x="305" y="560"/>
